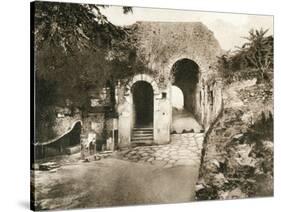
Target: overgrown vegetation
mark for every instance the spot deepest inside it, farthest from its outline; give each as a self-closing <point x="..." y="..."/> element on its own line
<point x="242" y="165"/>
<point x="238" y="159"/>
<point x="72" y="43"/>
<point x="253" y="59"/>
<point x="76" y="49"/>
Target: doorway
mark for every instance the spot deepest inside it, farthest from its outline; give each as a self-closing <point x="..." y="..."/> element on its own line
<point x="142" y="104"/>
<point x="185" y="75"/>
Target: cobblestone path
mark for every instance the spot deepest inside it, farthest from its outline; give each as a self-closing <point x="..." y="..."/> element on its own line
<point x="114" y="182"/>
<point x="184" y="149"/>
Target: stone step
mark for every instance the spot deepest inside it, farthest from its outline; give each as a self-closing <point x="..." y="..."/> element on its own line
<point x="142" y="129"/>
<point x="142" y="138"/>
<point x="142" y="135"/>
<point x="142" y="142"/>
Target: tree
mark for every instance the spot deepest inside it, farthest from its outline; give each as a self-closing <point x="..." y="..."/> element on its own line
<point x="73" y="43"/>
<point x="73" y="27"/>
<point x="253" y="58"/>
<point x="258" y="51"/>
<point x="72" y="46"/>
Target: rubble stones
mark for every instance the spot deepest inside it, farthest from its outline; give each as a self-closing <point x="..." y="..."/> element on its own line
<point x="48" y="166"/>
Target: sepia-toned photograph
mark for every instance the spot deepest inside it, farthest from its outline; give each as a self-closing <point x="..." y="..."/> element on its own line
<point x="138" y="106"/>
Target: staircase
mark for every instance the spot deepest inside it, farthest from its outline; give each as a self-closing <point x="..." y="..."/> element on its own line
<point x="142" y="136"/>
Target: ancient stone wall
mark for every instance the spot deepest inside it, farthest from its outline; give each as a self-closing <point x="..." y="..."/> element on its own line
<point x="161" y="44"/>
<point x="161" y="111"/>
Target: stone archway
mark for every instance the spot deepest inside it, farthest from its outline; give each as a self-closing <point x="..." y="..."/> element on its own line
<point x="127" y="115"/>
<point x="185" y="76"/>
<point x="143" y="77"/>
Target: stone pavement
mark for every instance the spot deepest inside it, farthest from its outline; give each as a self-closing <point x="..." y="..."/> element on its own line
<point x="184" y="149"/>
<point x="115" y="182"/>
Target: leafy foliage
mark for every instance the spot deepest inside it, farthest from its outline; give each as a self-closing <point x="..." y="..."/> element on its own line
<point x="258" y="51"/>
<point x="73" y="43"/>
<point x="256" y="55"/>
<point x="72" y="27"/>
<point x="76" y="49"/>
<point x="243" y="163"/>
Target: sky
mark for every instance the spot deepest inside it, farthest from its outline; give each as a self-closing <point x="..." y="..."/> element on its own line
<point x="229" y="29"/>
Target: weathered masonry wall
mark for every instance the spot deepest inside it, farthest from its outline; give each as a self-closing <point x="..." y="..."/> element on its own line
<point x="160" y="46"/>
<point x="161" y="111"/>
<point x="208" y="107"/>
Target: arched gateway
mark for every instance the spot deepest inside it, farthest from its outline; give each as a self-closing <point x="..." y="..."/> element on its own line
<point x="182" y="56"/>
<point x="139" y="112"/>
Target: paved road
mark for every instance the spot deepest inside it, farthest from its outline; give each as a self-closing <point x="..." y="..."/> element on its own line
<point x="114" y="182"/>
<point x="184" y="149"/>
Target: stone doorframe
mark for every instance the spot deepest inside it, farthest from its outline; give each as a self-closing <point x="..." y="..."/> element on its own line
<point x="125" y="123"/>
<point x="145" y="78"/>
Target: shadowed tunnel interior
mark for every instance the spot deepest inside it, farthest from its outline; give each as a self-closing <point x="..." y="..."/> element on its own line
<point x="185" y="73"/>
<point x="143" y="104"/>
<point x="185" y="78"/>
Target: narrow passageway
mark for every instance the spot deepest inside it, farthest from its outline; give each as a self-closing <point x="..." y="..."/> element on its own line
<point x="184" y="97"/>
<point x="184" y="121"/>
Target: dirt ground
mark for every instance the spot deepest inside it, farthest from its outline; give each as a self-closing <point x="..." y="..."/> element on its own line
<point x="113" y="182"/>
